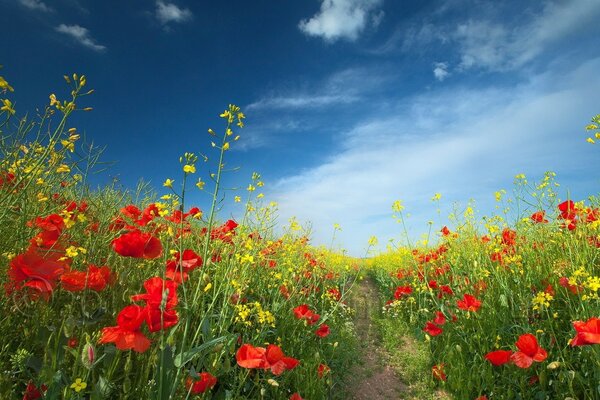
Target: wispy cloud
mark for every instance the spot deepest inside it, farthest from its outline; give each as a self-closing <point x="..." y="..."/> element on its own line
<point x="342" y="19"/>
<point x="81" y="35"/>
<point x="36" y="5"/>
<point x="440" y="71"/>
<point x="169" y="12"/>
<point x="500" y="46"/>
<point x="341" y="88"/>
<point x="463" y="143"/>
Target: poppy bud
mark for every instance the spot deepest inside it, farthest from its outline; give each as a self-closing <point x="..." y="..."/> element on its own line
<point x="88" y="355"/>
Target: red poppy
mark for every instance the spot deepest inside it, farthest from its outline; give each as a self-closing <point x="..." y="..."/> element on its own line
<point x="126" y="334"/>
<point x="498" y="357"/>
<point x="271" y="358"/>
<point x="539" y="217"/>
<point x="323" y="331"/>
<point x="468" y="303"/>
<point x="296" y="396"/>
<point x="224" y="232"/>
<point x="182" y="264"/>
<point x="529" y="351"/>
<point x="322" y="370"/>
<point x="137" y="245"/>
<point x="200" y="383"/>
<point x="567" y="210"/>
<point x="278" y="362"/>
<point x="587" y="332"/>
<point x="564" y="282"/>
<point x="155" y="287"/>
<point x="37" y="270"/>
<point x="158" y="319"/>
<point x="445" y="231"/>
<point x="440" y="318"/>
<point x="484" y="397"/>
<point x="304" y="312"/>
<point x="249" y="356"/>
<point x="335" y="294"/>
<point x="95" y="278"/>
<point x="32" y="392"/>
<point x="438" y="372"/>
<point x="432" y="329"/>
<point x="509" y="237"/>
<point x="445" y="290"/>
<point x="402" y="291"/>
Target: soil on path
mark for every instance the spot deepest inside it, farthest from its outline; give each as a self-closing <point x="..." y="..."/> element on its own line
<point x="372" y="377"/>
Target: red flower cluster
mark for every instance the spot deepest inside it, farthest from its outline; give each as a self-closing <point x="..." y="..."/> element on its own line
<point x="323" y="331"/>
<point x="529" y="351"/>
<point x="271" y="358"/>
<point x="95" y="278"/>
<point x="224" y="232"/>
<point x="402" y="291"/>
<point x="127" y="335"/>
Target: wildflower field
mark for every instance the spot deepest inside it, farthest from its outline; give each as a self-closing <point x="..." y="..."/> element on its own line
<point x="113" y="294"/>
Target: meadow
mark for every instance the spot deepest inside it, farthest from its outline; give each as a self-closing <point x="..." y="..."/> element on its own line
<point x="138" y="294"/>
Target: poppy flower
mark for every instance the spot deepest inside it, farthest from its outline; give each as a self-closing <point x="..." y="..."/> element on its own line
<point x="95" y="278"/>
<point x="587" y="332"/>
<point x="137" y="245"/>
<point x="249" y="356"/>
<point x="323" y="331"/>
<point x="402" y="291"/>
<point x="37" y="270"/>
<point x="498" y="357"/>
<point x="32" y="392"/>
<point x="304" y="312"/>
<point x="182" y="264"/>
<point x="158" y="319"/>
<point x="296" y="396"/>
<point x="468" y="303"/>
<point x="278" y="362"/>
<point x="445" y="290"/>
<point x="322" y="370"/>
<point x="200" y="383"/>
<point x="539" y="217"/>
<point x="432" y="329"/>
<point x="271" y="358"/>
<point x="224" y="232"/>
<point x="509" y="237"/>
<point x="438" y="372"/>
<point x="445" y="231"/>
<point x="440" y="318"/>
<point x="529" y="351"/>
<point x="155" y="287"/>
<point x="126" y="334"/>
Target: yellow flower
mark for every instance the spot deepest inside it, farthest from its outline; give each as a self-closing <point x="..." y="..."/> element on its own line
<point x="5" y="86"/>
<point x="169" y="182"/>
<point x="207" y="287"/>
<point x="78" y="385"/>
<point x="397" y="206"/>
<point x="7" y="106"/>
<point x="436" y="197"/>
<point x="189" y="169"/>
<point x="589" y="140"/>
<point x="237" y="199"/>
<point x="63" y="168"/>
<point x="200" y="184"/>
<point x="53" y="100"/>
<point x="251" y="188"/>
<point x="226" y="146"/>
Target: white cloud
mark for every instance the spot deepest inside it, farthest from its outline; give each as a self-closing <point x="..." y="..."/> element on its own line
<point x="463" y="143"/>
<point x="344" y="87"/>
<point x="81" y="35"/>
<point x="440" y="71"/>
<point x="342" y="19"/>
<point x="169" y="12"/>
<point x="37" y="5"/>
<point x="500" y="47"/>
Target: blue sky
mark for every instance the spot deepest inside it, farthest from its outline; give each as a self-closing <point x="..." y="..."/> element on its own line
<point x="350" y="104"/>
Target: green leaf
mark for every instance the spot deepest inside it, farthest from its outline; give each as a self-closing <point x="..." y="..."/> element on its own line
<point x="182" y="359"/>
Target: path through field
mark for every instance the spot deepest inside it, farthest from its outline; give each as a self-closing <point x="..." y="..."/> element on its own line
<point x="372" y="377"/>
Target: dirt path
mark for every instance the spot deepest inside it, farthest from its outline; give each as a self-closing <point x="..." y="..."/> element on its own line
<point x="372" y="377"/>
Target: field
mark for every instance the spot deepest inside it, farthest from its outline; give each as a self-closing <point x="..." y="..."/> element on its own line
<point x="139" y="294"/>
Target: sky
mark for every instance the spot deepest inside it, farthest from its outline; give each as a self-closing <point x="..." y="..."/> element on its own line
<point x="350" y="104"/>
